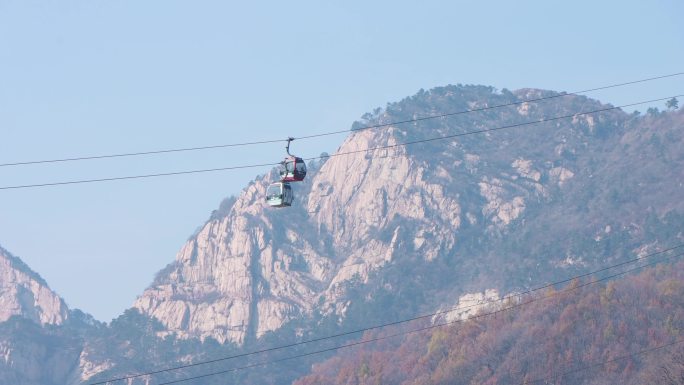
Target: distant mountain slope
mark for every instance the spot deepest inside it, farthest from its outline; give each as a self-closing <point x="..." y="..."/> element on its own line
<point x="536" y="343"/>
<point x="35" y="345"/>
<point x="24" y="293"/>
<point x="35" y="355"/>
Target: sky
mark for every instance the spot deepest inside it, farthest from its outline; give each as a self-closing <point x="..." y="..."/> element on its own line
<point x="92" y="77"/>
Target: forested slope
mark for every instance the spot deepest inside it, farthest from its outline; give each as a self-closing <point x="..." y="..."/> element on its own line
<point x="563" y="339"/>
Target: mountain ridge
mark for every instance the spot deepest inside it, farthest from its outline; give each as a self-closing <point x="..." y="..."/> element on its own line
<point x="23" y="292"/>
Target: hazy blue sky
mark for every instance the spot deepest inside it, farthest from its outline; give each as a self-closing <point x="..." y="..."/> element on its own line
<point x="97" y="77"/>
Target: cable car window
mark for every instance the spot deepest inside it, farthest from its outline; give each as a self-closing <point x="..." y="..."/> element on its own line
<point x="273" y="192"/>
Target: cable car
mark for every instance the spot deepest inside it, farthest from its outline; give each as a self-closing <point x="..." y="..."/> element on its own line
<point x="279" y="194"/>
<point x="293" y="168"/>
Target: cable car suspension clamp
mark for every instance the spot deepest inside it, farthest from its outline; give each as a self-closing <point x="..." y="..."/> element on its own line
<point x="287" y="148"/>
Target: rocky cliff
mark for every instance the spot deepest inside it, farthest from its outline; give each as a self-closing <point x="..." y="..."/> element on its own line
<point x="25" y="294"/>
<point x="254" y="270"/>
<point x="30" y="353"/>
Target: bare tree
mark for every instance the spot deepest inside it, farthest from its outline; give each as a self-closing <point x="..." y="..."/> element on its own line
<point x="672" y="371"/>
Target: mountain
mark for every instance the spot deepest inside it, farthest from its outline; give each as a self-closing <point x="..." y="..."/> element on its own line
<point x="411" y="225"/>
<point x="395" y="231"/>
<point x="25" y="294"/>
<point x="30" y="351"/>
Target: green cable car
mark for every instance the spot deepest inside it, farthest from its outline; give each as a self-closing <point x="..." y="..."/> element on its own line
<point x="279" y="194"/>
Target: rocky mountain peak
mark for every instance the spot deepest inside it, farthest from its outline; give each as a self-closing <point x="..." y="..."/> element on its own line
<point x="24" y="293"/>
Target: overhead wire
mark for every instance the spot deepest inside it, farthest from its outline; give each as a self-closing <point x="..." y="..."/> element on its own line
<point x="269" y="141"/>
<point x="144" y="176"/>
<point x="413" y="331"/>
<point x="485" y="108"/>
<point x="394" y="323"/>
<point x="140" y="153"/>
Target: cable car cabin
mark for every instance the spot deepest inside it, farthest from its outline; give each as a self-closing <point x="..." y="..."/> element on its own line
<point x="279" y="194"/>
<point x="292" y="169"/>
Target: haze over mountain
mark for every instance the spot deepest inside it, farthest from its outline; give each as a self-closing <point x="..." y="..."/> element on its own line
<point x="386" y="234"/>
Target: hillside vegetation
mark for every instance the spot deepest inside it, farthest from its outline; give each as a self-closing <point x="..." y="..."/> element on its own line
<point x="558" y="340"/>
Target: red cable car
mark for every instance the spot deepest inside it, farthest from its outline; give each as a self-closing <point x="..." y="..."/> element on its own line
<point x="293" y="168"/>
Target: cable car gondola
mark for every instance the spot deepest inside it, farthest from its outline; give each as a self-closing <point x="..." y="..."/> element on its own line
<point x="293" y="168"/>
<point x="279" y="194"/>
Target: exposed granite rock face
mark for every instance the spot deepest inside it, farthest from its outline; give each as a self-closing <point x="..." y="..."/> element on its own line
<point x="230" y="280"/>
<point x="24" y="293"/>
<point x="250" y="272"/>
<point x="88" y="367"/>
<point x="28" y="353"/>
<point x="470" y="304"/>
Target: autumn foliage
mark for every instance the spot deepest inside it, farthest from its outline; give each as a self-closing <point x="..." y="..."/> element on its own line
<point x="564" y="337"/>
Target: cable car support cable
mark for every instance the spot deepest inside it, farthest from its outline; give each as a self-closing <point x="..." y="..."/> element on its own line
<point x="544" y="120"/>
<point x="211" y="147"/>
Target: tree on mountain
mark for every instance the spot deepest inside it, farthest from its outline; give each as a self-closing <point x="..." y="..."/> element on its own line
<point x="653" y="111"/>
<point x="671" y="368"/>
<point x="672" y="104"/>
